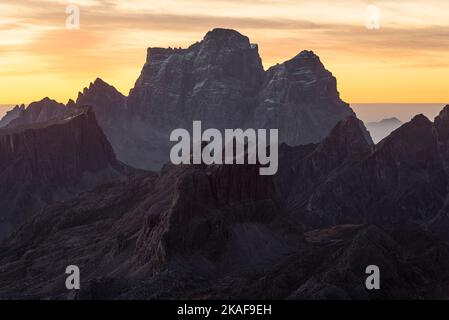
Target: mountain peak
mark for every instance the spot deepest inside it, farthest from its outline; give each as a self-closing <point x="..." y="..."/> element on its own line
<point x="417" y="131"/>
<point x="306" y="54"/>
<point x="390" y="120"/>
<point x="44" y="100"/>
<point x="222" y="33"/>
<point x="99" y="83"/>
<point x="348" y="136"/>
<point x="99" y="88"/>
<point x="226" y="38"/>
<point x="420" y="119"/>
<point x="380" y="130"/>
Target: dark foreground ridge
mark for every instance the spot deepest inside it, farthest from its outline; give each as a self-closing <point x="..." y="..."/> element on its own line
<point x="220" y="232"/>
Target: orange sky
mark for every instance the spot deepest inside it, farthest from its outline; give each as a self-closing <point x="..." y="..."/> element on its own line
<point x="406" y="60"/>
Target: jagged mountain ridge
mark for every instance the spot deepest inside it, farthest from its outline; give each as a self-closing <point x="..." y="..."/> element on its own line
<point x="383" y="128"/>
<point x="399" y="183"/>
<point x="220" y="81"/>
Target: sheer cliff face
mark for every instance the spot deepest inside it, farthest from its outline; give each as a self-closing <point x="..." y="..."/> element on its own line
<point x="300" y="98"/>
<point x="48" y="161"/>
<point x="215" y="80"/>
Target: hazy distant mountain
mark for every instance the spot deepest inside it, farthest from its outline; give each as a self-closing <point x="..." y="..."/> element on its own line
<point x="383" y="128"/>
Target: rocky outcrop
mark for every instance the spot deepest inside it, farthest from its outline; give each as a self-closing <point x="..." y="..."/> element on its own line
<point x="303" y="169"/>
<point x="108" y="104"/>
<point x="49" y="161"/>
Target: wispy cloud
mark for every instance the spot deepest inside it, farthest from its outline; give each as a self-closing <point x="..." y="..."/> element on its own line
<point x="114" y="34"/>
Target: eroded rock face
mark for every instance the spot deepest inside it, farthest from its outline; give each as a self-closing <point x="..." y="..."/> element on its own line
<point x="215" y="81"/>
<point x="221" y="82"/>
<point x="300" y="98"/>
<point x="44" y="162"/>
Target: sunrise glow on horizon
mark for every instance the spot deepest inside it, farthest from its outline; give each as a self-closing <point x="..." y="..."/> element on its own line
<point x="406" y="60"/>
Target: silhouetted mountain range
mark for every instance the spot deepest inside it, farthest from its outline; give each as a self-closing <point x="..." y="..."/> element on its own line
<point x="338" y="203"/>
<point x="383" y="128"/>
<point x="220" y="81"/>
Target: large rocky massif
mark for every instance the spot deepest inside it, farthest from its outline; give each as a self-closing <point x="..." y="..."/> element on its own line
<point x="220" y="81"/>
<point x="338" y="203"/>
